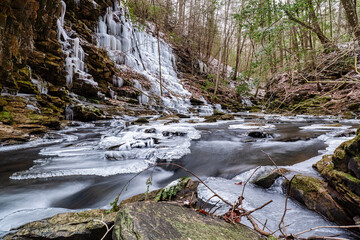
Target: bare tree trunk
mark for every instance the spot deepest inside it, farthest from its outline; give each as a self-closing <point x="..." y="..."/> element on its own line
<point x="315" y="27"/>
<point x="339" y="23"/>
<point x="223" y="46"/>
<point x="159" y="52"/>
<point x="351" y="16"/>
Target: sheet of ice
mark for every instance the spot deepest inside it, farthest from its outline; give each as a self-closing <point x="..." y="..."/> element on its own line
<point x="325" y="127"/>
<point x="252" y="126"/>
<point x="332" y="141"/>
<point x="150" y="143"/>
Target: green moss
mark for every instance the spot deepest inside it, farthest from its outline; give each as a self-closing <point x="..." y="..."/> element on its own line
<point x="6" y="117"/>
<point x="340" y="153"/>
<point x="169" y="192"/>
<point x="345" y="176"/>
<point x="27" y="87"/>
<point x="307" y="184"/>
<point x="348" y="115"/>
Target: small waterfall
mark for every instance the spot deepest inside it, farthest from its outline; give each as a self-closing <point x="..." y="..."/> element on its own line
<point x="138" y="50"/>
<point x="69" y="113"/>
<point x="75" y="55"/>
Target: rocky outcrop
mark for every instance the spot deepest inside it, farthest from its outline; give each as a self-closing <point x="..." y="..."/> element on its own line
<point x="341" y="171"/>
<point x="85" y="225"/>
<point x="151" y="220"/>
<point x="313" y="193"/>
<point x="337" y="197"/>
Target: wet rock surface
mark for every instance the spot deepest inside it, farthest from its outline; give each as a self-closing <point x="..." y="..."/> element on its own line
<point x="81" y="225"/>
<point x="313" y="193"/>
<point x="341" y="172"/>
<point x="268" y="180"/>
<point x="150" y="220"/>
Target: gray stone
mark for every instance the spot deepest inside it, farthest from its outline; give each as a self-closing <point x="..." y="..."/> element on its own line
<point x="151" y="220"/>
<point x="270" y="178"/>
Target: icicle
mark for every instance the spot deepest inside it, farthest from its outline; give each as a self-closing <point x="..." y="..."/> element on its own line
<point x="75" y="55"/>
<point x="69" y="113"/>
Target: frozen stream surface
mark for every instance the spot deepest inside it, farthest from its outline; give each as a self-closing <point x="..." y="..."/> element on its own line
<point x="85" y="165"/>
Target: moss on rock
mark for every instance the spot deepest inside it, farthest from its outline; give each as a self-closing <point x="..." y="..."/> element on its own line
<point x="151" y="220"/>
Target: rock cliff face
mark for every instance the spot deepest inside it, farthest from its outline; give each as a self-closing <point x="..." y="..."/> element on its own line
<point x="52" y="68"/>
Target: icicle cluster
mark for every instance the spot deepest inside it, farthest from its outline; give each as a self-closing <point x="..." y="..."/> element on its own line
<point x="75" y="55"/>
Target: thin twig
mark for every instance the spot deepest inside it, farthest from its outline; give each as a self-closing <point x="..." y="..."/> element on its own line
<point x="265" y="224"/>
<point x="314" y="228"/>
<point x="242" y="193"/>
<point x="206" y="203"/>
<point x="285" y="209"/>
<point x="108" y="229"/>
<point x="258" y="208"/>
<point x="270" y="159"/>
<point x="256" y="227"/>
<point x="213" y="206"/>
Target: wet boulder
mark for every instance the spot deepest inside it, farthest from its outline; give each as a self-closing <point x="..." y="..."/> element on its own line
<point x="269" y="179"/>
<point x="257" y="134"/>
<point x="77" y="225"/>
<point x="141" y="120"/>
<point x="152" y="220"/>
<point x="313" y="193"/>
<point x="217" y="115"/>
<point x="87" y="113"/>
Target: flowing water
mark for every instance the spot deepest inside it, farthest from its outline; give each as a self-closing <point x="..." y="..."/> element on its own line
<point x="85" y="165"/>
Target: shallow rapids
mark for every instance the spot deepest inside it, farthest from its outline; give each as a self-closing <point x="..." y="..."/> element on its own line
<point x="85" y="165"/>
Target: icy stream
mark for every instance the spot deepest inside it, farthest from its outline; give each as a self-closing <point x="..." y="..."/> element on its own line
<point x="85" y="165"/>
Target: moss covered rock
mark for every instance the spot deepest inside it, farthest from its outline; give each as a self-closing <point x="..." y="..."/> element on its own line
<point x="151" y="220"/>
<point x="79" y="225"/>
<point x="312" y="192"/>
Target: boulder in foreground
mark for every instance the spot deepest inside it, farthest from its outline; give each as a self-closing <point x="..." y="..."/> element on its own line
<point x="152" y="220"/>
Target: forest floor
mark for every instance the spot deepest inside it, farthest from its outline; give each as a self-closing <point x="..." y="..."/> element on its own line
<point x="328" y="86"/>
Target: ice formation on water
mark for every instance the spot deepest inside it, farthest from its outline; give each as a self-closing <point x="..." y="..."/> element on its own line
<point x="150" y="143"/>
<point x="75" y="55"/>
<point x="138" y="50"/>
<point x="120" y="150"/>
<point x="252" y="126"/>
